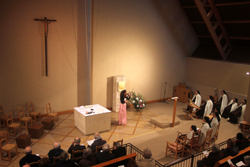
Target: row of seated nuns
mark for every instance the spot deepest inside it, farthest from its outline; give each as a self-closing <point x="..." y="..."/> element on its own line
<point x="234" y="112"/>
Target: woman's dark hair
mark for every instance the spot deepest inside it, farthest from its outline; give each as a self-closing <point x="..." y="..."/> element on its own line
<point x="207" y="120"/>
<point x="236" y="100"/>
<point x="198" y="91"/>
<point x="211" y="98"/>
<point x="217" y="116"/>
<point x="239" y="136"/>
<point x="245" y="101"/>
<point x="224" y="91"/>
<point x="194" y="128"/>
<point x="122" y="93"/>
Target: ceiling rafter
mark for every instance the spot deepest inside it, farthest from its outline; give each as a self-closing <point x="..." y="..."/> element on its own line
<point x="227" y="47"/>
<point x="223" y="21"/>
<point x="219" y="4"/>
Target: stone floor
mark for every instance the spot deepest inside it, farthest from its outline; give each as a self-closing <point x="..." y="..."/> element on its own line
<point x="138" y="131"/>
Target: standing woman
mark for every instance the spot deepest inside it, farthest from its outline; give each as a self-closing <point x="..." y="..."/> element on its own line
<point x="122" y="110"/>
<point x="223" y="102"/>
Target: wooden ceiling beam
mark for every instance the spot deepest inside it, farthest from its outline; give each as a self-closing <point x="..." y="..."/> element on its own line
<point x="224" y="21"/>
<point x="219" y="4"/>
<point x="231" y="37"/>
<point x="206" y="17"/>
<point x="238" y="37"/>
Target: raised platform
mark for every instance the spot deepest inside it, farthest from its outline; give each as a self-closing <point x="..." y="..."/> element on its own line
<point x="164" y="121"/>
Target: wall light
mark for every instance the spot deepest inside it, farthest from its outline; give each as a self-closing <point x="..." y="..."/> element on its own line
<point x="247" y="73"/>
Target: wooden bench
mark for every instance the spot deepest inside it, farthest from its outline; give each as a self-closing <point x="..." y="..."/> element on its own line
<point x="224" y="160"/>
<point x="113" y="161"/>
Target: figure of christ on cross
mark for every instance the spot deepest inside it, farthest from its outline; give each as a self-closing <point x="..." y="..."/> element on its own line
<point x="46" y="22"/>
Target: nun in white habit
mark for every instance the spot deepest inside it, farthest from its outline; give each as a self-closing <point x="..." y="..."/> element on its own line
<point x="206" y="108"/>
<point x="197" y="100"/>
<point x="223" y="102"/>
<point x="214" y="123"/>
<point x="242" y="116"/>
<point x="238" y="115"/>
<point x="232" y="105"/>
<point x="209" y="106"/>
<point x="203" y="130"/>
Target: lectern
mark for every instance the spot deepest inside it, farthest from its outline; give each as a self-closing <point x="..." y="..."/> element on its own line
<point x="174" y="111"/>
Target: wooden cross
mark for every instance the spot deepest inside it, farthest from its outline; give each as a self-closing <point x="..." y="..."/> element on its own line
<point x="46" y="22"/>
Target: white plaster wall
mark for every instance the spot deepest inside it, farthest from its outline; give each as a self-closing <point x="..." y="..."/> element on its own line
<point x="22" y="52"/>
<point x="146" y="41"/>
<point x="218" y="74"/>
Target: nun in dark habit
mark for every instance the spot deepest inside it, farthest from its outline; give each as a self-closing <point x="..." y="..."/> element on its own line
<point x="230" y="108"/>
<point x="206" y="108"/>
<point x="239" y="114"/>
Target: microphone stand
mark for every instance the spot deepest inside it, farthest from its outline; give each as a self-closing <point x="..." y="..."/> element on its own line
<point x="165" y="93"/>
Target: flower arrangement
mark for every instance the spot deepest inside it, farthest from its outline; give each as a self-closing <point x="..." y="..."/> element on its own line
<point x="137" y="101"/>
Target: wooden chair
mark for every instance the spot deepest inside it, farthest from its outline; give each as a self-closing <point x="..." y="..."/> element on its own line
<point x="119" y="141"/>
<point x="193" y="143"/>
<point x="190" y="113"/>
<point x="74" y="153"/>
<point x="4" y="136"/>
<point x="24" y="119"/>
<point x="97" y="149"/>
<point x="11" y="125"/>
<point x="55" y="159"/>
<point x="207" y="139"/>
<point x="2" y="117"/>
<point x="178" y="147"/>
<point x="7" y="148"/>
<point x="50" y="113"/>
<point x="217" y="132"/>
<point x="32" y="113"/>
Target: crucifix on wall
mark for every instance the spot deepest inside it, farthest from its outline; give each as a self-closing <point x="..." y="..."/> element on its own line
<point x="46" y="27"/>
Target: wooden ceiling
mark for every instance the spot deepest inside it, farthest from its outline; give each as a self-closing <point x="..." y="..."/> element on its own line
<point x="222" y="26"/>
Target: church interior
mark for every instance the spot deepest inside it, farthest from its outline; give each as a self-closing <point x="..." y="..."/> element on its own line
<point x="151" y="42"/>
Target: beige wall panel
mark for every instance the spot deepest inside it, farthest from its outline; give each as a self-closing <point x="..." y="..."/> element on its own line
<point x="143" y="40"/>
<point x="22" y="52"/>
<point x="217" y="74"/>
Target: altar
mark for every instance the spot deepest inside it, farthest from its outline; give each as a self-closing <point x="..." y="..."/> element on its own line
<point x="92" y="118"/>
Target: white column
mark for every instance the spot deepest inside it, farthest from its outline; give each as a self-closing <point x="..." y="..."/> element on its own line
<point x="118" y="85"/>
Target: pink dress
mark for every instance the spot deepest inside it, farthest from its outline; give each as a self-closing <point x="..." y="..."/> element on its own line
<point x="122" y="114"/>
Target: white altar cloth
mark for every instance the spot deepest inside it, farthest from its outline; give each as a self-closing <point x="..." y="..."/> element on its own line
<point x="98" y="121"/>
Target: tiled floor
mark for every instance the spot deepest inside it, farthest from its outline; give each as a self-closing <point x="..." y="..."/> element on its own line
<point x="65" y="132"/>
<point x="138" y="131"/>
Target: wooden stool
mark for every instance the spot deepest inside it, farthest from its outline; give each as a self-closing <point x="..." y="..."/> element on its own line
<point x="48" y="123"/>
<point x="8" y="148"/>
<point x="36" y="130"/>
<point x="23" y="141"/>
<point x="245" y="126"/>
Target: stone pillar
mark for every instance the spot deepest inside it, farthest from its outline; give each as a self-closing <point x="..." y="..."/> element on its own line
<point x="83" y="52"/>
<point x="118" y="85"/>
